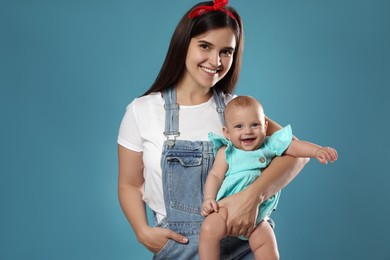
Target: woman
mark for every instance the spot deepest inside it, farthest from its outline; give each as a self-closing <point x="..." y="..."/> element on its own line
<point x="164" y="155"/>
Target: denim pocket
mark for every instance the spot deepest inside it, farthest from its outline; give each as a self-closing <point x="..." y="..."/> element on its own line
<point x="187" y="161"/>
<point x="175" y="250"/>
<point x="184" y="179"/>
<point x="162" y="254"/>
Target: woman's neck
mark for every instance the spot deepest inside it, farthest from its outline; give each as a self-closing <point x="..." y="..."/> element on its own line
<point x="188" y="96"/>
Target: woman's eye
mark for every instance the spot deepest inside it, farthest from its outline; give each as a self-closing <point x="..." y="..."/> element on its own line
<point x="227" y="52"/>
<point x="204" y="46"/>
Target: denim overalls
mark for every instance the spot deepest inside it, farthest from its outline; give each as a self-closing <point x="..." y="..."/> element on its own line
<point x="185" y="165"/>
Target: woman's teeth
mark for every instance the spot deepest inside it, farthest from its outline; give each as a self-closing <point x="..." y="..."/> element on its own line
<point x="209" y="70"/>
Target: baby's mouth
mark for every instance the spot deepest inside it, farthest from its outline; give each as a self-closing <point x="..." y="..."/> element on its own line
<point x="247" y="140"/>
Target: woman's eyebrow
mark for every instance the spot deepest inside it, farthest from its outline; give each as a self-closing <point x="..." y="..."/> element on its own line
<point x="212" y="45"/>
<point x="205" y="42"/>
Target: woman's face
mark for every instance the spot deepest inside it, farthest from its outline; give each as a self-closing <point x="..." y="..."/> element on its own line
<point x="209" y="58"/>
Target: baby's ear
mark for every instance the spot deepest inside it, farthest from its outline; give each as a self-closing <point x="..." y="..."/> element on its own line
<point x="225" y="132"/>
<point x="265" y="125"/>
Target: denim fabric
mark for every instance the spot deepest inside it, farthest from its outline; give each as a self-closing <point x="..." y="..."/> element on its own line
<point x="185" y="165"/>
<point x="185" y="168"/>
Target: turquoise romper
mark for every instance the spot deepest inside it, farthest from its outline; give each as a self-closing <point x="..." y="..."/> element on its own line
<point x="245" y="166"/>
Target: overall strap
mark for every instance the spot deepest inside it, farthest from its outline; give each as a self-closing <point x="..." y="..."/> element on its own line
<point x="171" y="116"/>
<point x="219" y="100"/>
<point x="172" y="113"/>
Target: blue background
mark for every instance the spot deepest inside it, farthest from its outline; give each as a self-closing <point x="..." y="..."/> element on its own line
<point x="68" y="69"/>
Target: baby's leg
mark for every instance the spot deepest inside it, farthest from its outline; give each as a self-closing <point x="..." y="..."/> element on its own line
<point x="263" y="242"/>
<point x="212" y="231"/>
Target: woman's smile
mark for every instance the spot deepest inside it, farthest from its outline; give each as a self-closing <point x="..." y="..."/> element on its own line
<point x="210" y="71"/>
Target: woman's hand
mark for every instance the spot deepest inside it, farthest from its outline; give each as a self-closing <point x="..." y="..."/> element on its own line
<point x="155" y="238"/>
<point x="243" y="207"/>
<point x="242" y="210"/>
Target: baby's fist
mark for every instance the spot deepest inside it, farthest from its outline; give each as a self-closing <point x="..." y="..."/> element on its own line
<point x="326" y="154"/>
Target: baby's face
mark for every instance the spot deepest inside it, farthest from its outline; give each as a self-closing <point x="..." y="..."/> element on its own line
<point x="246" y="127"/>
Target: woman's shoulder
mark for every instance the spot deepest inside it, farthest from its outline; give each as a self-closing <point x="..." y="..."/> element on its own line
<point x="152" y="99"/>
<point x="228" y="97"/>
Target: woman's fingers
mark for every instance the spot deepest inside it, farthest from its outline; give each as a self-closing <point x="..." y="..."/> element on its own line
<point x="241" y="229"/>
<point x="242" y="212"/>
<point x="177" y="237"/>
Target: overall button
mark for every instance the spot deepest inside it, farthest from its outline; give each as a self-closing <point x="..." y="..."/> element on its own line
<point x="262" y="159"/>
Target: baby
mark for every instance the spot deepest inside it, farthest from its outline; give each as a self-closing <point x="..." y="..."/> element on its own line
<point x="239" y="158"/>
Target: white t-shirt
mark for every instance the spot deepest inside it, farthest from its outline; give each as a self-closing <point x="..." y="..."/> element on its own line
<point x="142" y="130"/>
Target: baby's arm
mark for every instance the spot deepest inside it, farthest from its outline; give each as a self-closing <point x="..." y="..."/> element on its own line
<point x="213" y="183"/>
<point x="305" y="149"/>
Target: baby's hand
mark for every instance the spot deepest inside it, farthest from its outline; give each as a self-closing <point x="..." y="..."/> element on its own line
<point x="208" y="207"/>
<point x="326" y="154"/>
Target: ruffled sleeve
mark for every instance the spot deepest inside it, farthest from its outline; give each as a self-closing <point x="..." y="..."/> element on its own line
<point x="279" y="141"/>
<point x="219" y="141"/>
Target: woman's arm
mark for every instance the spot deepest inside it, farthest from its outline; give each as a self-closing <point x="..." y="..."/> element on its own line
<point x="130" y="191"/>
<point x="273" y="127"/>
<point x="242" y="207"/>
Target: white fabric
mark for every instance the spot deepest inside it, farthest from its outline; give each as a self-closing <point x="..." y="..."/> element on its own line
<point x="142" y="130"/>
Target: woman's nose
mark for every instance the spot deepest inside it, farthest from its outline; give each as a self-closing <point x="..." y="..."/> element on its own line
<point x="215" y="59"/>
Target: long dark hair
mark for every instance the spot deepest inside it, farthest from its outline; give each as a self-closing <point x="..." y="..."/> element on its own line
<point x="174" y="64"/>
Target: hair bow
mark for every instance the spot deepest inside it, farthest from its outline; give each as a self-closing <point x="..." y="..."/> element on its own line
<point x="217" y="6"/>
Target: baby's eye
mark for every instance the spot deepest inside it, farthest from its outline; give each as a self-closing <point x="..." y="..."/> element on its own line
<point x="238" y="126"/>
<point x="255" y="125"/>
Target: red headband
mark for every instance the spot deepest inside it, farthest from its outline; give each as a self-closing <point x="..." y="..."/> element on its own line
<point x="218" y="6"/>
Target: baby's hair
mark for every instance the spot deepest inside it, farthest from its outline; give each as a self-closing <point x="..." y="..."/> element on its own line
<point x="241" y="101"/>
